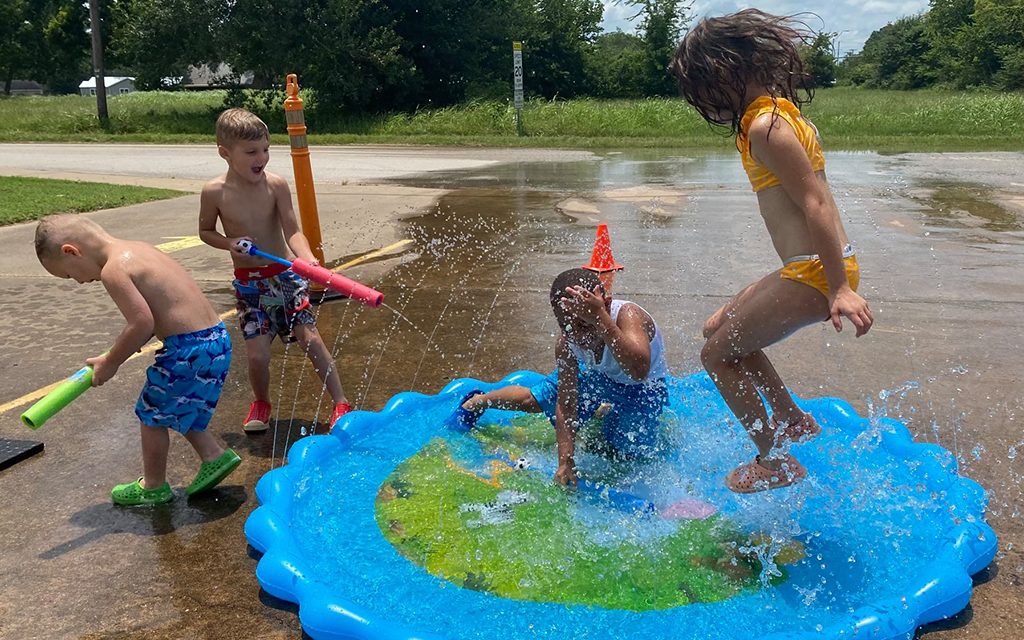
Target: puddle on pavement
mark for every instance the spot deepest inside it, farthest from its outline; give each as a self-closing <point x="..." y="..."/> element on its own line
<point x="972" y="212"/>
<point x="473" y="283"/>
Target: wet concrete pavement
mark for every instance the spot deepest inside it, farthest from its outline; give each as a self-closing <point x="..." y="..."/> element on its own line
<point x="940" y="240"/>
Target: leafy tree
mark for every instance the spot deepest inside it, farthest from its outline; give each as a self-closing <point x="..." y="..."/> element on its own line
<point x="557" y="47"/>
<point x="488" y="46"/>
<point x="896" y="56"/>
<point x="67" y="46"/>
<point x="946" y="26"/>
<point x="992" y="46"/>
<point x="820" y="60"/>
<point x="960" y="43"/>
<point x="44" y="40"/>
<point x="661" y="24"/>
<point x="159" y="39"/>
<point x="355" y="54"/>
<point x="19" y="42"/>
<point x="616" y="66"/>
<point x="453" y="45"/>
<point x="855" y="70"/>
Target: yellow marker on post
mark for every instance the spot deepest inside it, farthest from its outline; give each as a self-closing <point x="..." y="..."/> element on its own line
<point x="304" y="191"/>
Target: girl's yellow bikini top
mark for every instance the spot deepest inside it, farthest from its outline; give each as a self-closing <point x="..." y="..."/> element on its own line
<point x="807" y="133"/>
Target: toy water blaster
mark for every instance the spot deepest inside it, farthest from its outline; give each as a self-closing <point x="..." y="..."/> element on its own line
<point x="62" y="396"/>
<point x="325" y="277"/>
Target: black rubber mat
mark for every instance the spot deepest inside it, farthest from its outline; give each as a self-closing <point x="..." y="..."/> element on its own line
<point x="14" y="451"/>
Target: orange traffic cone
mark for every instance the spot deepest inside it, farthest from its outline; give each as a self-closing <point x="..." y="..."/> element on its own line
<point x="601" y="259"/>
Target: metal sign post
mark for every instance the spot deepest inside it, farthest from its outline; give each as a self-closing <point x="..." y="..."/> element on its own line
<point x="517" y="85"/>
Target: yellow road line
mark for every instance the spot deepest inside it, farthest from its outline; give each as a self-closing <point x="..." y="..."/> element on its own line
<point x="39" y="393"/>
<point x="391" y="248"/>
<point x="177" y="245"/>
<point x="29" y="397"/>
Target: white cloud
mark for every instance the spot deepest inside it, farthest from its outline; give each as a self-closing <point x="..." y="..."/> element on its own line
<point x="617" y="16"/>
<point x="853" y="20"/>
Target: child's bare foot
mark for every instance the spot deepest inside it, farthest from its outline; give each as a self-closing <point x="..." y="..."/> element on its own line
<point x="763" y="474"/>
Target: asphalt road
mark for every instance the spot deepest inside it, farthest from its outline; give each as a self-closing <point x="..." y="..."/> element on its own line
<point x="940" y="239"/>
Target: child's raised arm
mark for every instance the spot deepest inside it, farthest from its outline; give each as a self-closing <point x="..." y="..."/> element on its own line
<point x="137" y="331"/>
<point x="629" y="339"/>
<point x="776" y="146"/>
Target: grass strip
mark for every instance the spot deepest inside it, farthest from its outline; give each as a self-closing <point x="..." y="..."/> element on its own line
<point x="24" y="199"/>
<point x="849" y="119"/>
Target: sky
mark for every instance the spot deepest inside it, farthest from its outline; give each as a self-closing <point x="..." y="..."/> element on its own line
<point x="853" y="20"/>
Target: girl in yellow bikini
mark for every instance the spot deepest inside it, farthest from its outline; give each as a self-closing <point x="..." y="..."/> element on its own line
<point x="743" y="71"/>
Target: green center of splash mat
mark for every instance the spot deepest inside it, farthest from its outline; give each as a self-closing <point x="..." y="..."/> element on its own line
<point x="490" y="526"/>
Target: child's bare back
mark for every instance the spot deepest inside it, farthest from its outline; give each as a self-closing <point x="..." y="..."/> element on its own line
<point x="174" y="300"/>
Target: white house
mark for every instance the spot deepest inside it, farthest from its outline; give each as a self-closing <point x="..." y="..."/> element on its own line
<point x="116" y="85"/>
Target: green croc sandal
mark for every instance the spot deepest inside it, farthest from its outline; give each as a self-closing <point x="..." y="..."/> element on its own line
<point x="211" y="473"/>
<point x="133" y="494"/>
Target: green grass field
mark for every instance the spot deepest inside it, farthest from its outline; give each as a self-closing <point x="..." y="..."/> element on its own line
<point x="849" y="118"/>
<point x="23" y="199"/>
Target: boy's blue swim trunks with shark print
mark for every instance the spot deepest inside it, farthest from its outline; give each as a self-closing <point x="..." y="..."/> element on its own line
<point x="183" y="385"/>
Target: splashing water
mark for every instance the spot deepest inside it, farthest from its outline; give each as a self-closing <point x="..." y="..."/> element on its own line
<point x="539" y="547"/>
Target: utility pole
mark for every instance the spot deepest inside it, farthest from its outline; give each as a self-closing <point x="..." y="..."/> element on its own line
<point x="97" y="63"/>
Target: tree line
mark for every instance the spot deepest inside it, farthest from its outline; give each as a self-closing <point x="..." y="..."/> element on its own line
<point x="955" y="44"/>
<point x="383" y="55"/>
<point x="360" y="55"/>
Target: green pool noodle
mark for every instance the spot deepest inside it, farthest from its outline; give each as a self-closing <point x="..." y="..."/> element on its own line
<point x="65" y="393"/>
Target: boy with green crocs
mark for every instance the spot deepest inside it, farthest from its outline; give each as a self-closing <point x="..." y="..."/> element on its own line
<point x="157" y="297"/>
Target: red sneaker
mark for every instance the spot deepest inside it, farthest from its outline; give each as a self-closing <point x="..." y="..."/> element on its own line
<point x="340" y="409"/>
<point x="258" y="419"/>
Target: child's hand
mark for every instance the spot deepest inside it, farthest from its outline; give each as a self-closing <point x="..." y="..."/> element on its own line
<point x="848" y="303"/>
<point x="566" y="474"/>
<point x="585" y="305"/>
<point x="238" y="247"/>
<point x="102" y="369"/>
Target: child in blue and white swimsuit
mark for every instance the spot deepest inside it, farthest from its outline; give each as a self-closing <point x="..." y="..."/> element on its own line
<point x="610" y="359"/>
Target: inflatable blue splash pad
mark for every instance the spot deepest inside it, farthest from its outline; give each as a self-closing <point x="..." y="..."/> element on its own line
<point x="393" y="527"/>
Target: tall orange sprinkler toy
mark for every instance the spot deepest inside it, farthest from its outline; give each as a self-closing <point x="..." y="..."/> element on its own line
<point x="305" y="193"/>
<point x="601" y="260"/>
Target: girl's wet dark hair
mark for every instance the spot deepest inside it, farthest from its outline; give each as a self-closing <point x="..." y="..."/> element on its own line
<point x="719" y="57"/>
